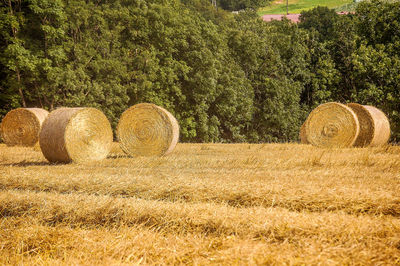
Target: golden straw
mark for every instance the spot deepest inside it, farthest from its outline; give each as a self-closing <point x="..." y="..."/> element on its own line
<point x="146" y="129"/>
<point x="76" y="134"/>
<point x="21" y="126"/>
<point x="332" y="125"/>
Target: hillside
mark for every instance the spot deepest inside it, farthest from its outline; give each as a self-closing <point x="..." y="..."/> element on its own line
<point x="296" y="6"/>
<point x="204" y="204"/>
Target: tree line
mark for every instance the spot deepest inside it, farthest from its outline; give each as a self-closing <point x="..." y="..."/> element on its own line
<point x="225" y="77"/>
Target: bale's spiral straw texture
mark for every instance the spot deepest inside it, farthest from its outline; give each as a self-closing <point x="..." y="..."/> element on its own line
<point x="21" y="126"/>
<point x="374" y="126"/>
<point x="332" y="125"/>
<point x="76" y="134"/>
<point x="303" y="137"/>
<point x="146" y="129"/>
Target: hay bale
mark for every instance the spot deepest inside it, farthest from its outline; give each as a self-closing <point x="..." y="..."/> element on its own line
<point x="21" y="126"/>
<point x="374" y="126"/>
<point x="302" y="135"/>
<point x="332" y="125"/>
<point x="76" y="134"/>
<point x="146" y="129"/>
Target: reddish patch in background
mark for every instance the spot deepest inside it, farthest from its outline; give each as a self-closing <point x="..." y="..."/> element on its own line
<point x="293" y="17"/>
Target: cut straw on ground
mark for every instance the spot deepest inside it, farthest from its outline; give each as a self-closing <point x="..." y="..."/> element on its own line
<point x="204" y="204"/>
<point x="34" y="242"/>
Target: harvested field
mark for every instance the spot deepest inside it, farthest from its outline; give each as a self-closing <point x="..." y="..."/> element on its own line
<point x="203" y="204"/>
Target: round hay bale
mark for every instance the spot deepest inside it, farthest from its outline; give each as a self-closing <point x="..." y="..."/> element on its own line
<point x="302" y="135"/>
<point x="76" y="134"/>
<point x="332" y="125"/>
<point x="21" y="126"/>
<point x="374" y="126"/>
<point x="146" y="129"/>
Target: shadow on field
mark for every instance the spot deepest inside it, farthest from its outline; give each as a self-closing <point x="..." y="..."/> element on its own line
<point x="116" y="156"/>
<point x="25" y="164"/>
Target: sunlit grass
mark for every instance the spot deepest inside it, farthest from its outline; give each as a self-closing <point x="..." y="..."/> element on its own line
<point x="296" y="6"/>
<point x="203" y="204"/>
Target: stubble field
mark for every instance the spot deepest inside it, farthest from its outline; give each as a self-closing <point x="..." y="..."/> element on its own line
<point x="203" y="204"/>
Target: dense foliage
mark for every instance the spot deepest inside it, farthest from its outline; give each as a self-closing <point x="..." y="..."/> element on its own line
<point x="365" y="50"/>
<point x="226" y="77"/>
<point x="242" y="4"/>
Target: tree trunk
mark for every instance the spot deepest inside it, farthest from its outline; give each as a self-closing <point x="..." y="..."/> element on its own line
<point x="21" y="94"/>
<point x="14" y="31"/>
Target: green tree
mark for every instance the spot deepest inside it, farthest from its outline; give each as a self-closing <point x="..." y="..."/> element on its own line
<point x="322" y="83"/>
<point x="242" y="4"/>
<point x="273" y="60"/>
<point x="15" y="59"/>
<point x="181" y="63"/>
<point x="321" y="19"/>
<point x="378" y="22"/>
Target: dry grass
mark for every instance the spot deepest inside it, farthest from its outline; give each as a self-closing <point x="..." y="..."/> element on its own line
<point x="203" y="204"/>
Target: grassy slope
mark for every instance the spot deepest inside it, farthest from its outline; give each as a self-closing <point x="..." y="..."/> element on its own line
<point x="203" y="204"/>
<point x="296" y="6"/>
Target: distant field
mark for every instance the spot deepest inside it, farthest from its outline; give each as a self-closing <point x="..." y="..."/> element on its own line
<point x="235" y="204"/>
<point x="296" y="6"/>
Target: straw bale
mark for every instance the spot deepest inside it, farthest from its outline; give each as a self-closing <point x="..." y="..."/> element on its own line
<point x="76" y="135"/>
<point x="332" y="125"/>
<point x="146" y="129"/>
<point x="21" y="126"/>
<point x="374" y="126"/>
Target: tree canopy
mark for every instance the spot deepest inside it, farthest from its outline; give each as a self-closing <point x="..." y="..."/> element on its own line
<point x="226" y="77"/>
